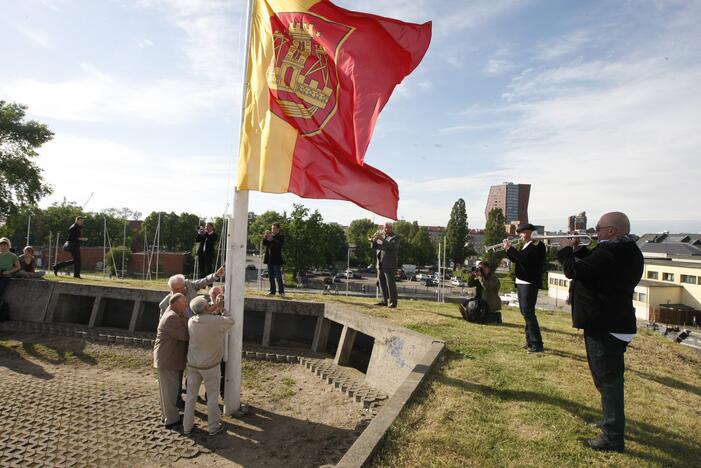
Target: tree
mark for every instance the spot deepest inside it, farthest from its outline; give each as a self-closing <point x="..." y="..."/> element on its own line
<point x="493" y="234"/>
<point x="334" y="247"/>
<point x="303" y="240"/>
<point x="358" y="233"/>
<point x="456" y="234"/>
<point x="424" y="251"/>
<point x="21" y="182"/>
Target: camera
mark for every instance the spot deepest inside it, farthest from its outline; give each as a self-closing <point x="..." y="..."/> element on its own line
<point x="476" y="269"/>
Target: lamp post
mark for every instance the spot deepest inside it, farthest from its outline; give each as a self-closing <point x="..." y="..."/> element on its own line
<point x="350" y="247"/>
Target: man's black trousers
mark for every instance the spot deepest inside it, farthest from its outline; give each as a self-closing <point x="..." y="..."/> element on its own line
<point x="605" y="355"/>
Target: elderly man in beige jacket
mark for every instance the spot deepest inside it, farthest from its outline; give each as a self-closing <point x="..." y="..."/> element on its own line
<point x="203" y="357"/>
<point x="169" y="353"/>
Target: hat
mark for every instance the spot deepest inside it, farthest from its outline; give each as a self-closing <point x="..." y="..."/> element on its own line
<point x="5" y="240"/>
<point x="526" y="227"/>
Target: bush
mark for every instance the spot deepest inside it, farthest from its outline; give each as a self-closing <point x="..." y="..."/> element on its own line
<point x="117" y="252"/>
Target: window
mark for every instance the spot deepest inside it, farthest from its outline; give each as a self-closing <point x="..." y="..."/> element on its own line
<point x="688" y="279"/>
<point x="642" y="297"/>
<point x="635" y="296"/>
<point x="667" y="276"/>
<point x="653" y="275"/>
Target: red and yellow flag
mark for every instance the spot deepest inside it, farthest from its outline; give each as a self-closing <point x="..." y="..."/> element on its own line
<point x="319" y="75"/>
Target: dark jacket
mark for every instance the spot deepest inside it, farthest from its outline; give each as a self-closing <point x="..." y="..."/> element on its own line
<point x="74" y="235"/>
<point x="530" y="263"/>
<point x="208" y="243"/>
<point x="604" y="279"/>
<point x="487" y="290"/>
<point x="387" y="253"/>
<point x="273" y="250"/>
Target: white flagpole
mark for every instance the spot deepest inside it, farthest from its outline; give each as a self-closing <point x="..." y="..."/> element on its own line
<point x="236" y="259"/>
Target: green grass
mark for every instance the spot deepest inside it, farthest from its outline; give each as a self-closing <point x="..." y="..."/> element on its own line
<point x="489" y="403"/>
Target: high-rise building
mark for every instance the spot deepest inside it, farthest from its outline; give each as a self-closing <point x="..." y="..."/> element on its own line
<point x="577" y="223"/>
<point x="512" y="199"/>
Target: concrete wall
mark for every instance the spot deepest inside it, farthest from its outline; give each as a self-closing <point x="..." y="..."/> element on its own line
<point x="386" y="352"/>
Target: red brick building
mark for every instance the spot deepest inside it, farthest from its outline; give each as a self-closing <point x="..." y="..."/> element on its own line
<point x="512" y="199"/>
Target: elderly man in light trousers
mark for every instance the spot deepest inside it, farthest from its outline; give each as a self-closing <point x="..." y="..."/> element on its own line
<point x="203" y="357"/>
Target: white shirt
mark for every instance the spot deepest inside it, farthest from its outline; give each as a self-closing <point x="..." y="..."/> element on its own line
<point x="518" y="280"/>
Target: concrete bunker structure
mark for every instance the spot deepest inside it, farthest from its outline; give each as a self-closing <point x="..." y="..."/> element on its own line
<point x="393" y="360"/>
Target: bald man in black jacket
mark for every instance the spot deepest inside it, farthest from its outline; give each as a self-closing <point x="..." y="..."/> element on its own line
<point x="602" y="304"/>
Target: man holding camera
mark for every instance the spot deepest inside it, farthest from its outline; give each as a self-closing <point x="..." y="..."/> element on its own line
<point x="273" y="241"/>
<point x="487" y="287"/>
<point x="206" y="250"/>
<point x="530" y="262"/>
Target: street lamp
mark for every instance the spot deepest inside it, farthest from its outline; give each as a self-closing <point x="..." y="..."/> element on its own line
<point x="350" y="247"/>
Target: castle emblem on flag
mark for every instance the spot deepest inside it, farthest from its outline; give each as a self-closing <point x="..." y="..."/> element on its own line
<point x="302" y="79"/>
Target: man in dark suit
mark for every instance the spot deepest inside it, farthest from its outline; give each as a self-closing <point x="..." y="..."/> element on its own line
<point x="529" y="261"/>
<point x="273" y="241"/>
<point x="386" y="244"/>
<point x="72" y="246"/>
<point x="206" y="251"/>
<point x="602" y="304"/>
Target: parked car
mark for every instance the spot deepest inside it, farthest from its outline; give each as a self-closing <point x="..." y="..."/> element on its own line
<point x="350" y="274"/>
<point x="428" y="281"/>
<point x="457" y="282"/>
<point x="422" y="276"/>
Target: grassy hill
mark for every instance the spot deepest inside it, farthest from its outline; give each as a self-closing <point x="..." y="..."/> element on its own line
<point x="489" y="403"/>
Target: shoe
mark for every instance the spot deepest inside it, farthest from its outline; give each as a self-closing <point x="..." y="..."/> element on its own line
<point x="174" y="425"/>
<point x="78" y="277"/>
<point x="217" y="430"/>
<point x="525" y="346"/>
<point x="270" y="294"/>
<point x="282" y="295"/>
<point x="602" y="444"/>
<point x="384" y="304"/>
<point x="534" y="349"/>
<point x="187" y="433"/>
<point x="598" y="424"/>
<point x="393" y="306"/>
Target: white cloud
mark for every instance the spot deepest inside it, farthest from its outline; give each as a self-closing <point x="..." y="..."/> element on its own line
<point x="121" y="175"/>
<point x="474" y="14"/>
<point x="96" y="97"/>
<point x="51" y="4"/>
<point x="39" y="38"/>
<point x="95" y="72"/>
<point x="499" y="63"/>
<point x="213" y="37"/>
<point x="145" y="43"/>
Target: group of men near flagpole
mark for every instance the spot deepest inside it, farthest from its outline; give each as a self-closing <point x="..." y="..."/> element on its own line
<point x="601" y="291"/>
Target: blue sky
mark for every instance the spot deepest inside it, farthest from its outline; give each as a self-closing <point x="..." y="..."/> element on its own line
<point x="597" y="104"/>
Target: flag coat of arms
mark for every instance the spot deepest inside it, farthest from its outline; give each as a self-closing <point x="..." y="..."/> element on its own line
<point x="318" y="77"/>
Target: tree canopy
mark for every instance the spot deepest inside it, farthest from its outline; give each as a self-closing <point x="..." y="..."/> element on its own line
<point x="456" y="233"/>
<point x="21" y="182"/>
<point x="493" y="234"/>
